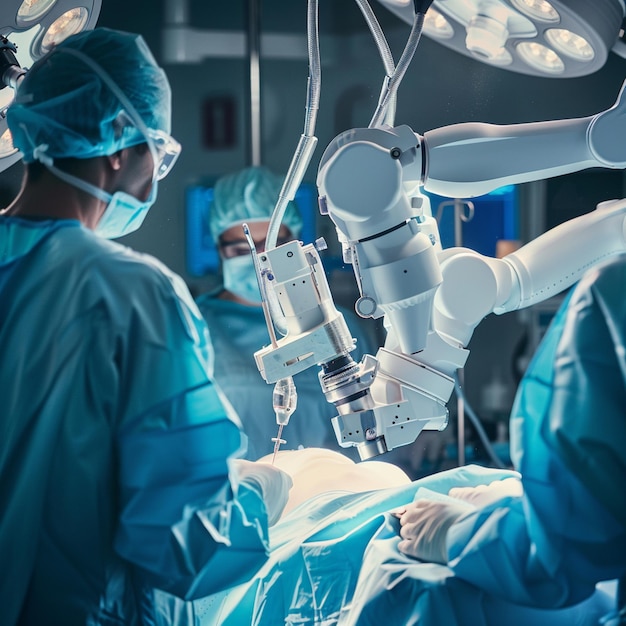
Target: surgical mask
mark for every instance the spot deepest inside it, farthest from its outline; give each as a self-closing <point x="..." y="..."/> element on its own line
<point x="123" y="214"/>
<point x="240" y="278"/>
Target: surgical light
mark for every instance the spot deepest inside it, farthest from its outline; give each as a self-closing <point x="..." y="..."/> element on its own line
<point x="486" y="37"/>
<point x="31" y="11"/>
<point x="559" y="38"/>
<point x="570" y="43"/>
<point x="537" y="9"/>
<point x="28" y="30"/>
<point x="541" y="58"/>
<point x="436" y="25"/>
<point x="6" y="144"/>
<point x="70" y="23"/>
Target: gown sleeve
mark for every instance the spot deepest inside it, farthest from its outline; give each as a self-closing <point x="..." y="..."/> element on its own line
<point x="187" y="528"/>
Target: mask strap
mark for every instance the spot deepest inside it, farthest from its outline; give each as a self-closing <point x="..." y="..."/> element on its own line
<point x="40" y="154"/>
<point x="80" y="183"/>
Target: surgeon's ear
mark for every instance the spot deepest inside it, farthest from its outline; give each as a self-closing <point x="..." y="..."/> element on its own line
<point x="117" y="159"/>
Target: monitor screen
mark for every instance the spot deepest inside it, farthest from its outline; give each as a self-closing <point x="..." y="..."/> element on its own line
<point x="495" y="217"/>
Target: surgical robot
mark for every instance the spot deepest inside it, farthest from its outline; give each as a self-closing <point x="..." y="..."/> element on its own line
<point x="431" y="299"/>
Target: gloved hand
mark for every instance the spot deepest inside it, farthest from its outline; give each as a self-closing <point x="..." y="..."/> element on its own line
<point x="483" y="495"/>
<point x="273" y="483"/>
<point x="424" y="525"/>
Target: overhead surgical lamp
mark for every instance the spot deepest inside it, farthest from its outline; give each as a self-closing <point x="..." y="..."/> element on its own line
<point x="555" y="38"/>
<point x="28" y="30"/>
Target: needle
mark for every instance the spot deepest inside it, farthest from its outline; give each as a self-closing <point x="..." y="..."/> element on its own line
<point x="277" y="441"/>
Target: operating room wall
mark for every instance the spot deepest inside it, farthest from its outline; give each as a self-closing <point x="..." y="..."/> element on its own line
<point x="441" y="87"/>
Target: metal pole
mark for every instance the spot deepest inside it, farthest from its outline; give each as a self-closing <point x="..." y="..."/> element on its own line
<point x="460" y="411"/>
<point x="254" y="61"/>
<point x="460" y="405"/>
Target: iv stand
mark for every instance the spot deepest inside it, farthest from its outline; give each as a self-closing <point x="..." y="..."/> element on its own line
<point x="459" y="217"/>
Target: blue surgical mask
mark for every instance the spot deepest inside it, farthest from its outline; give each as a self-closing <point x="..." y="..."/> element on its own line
<point x="240" y="278"/>
<point x="123" y="214"/>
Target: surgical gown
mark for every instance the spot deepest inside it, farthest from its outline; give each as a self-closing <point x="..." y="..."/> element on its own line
<point x="113" y="438"/>
<point x="237" y="332"/>
<point x="568" y="440"/>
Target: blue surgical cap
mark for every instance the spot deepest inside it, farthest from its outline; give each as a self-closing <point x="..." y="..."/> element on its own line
<point x="64" y="107"/>
<point x="249" y="195"/>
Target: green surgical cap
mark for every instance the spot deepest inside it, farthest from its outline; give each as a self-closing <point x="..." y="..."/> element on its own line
<point x="249" y="195"/>
<point x="65" y="109"/>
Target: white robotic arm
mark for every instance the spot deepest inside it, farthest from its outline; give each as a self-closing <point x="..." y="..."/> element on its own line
<point x="431" y="299"/>
<point x="475" y="285"/>
<point x="472" y="159"/>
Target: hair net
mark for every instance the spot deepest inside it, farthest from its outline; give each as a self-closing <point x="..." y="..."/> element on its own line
<point x="64" y="107"/>
<point x="247" y="196"/>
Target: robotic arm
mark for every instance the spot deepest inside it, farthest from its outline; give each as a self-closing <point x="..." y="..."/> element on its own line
<point x="431" y="299"/>
<point x="475" y="285"/>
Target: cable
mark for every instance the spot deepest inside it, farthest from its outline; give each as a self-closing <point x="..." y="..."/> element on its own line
<point x="303" y="153"/>
<point x="390" y="88"/>
<point x="306" y="146"/>
<point x="479" y="427"/>
<point x="385" y="55"/>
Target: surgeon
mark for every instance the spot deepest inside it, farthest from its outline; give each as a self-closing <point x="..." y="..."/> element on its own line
<point x="237" y="323"/>
<point x="118" y="474"/>
<point x="548" y="539"/>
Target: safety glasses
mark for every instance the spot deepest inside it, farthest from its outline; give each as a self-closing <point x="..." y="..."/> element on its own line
<point x="167" y="151"/>
<point x="240" y="247"/>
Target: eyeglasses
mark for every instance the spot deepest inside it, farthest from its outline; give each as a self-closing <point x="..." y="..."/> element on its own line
<point x="167" y="151"/>
<point x="240" y="247"/>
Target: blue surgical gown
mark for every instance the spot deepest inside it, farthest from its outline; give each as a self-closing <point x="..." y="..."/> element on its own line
<point x="113" y="438"/>
<point x="568" y="440"/>
<point x="237" y="332"/>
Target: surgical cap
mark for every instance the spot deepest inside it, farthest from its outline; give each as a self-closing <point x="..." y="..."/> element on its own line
<point x="64" y="108"/>
<point x="249" y="195"/>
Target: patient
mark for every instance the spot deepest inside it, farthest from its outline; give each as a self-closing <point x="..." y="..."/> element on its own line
<point x="334" y="556"/>
<point x="316" y="470"/>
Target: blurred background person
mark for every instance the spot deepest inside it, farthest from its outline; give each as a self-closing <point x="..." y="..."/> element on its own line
<point x="237" y="324"/>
